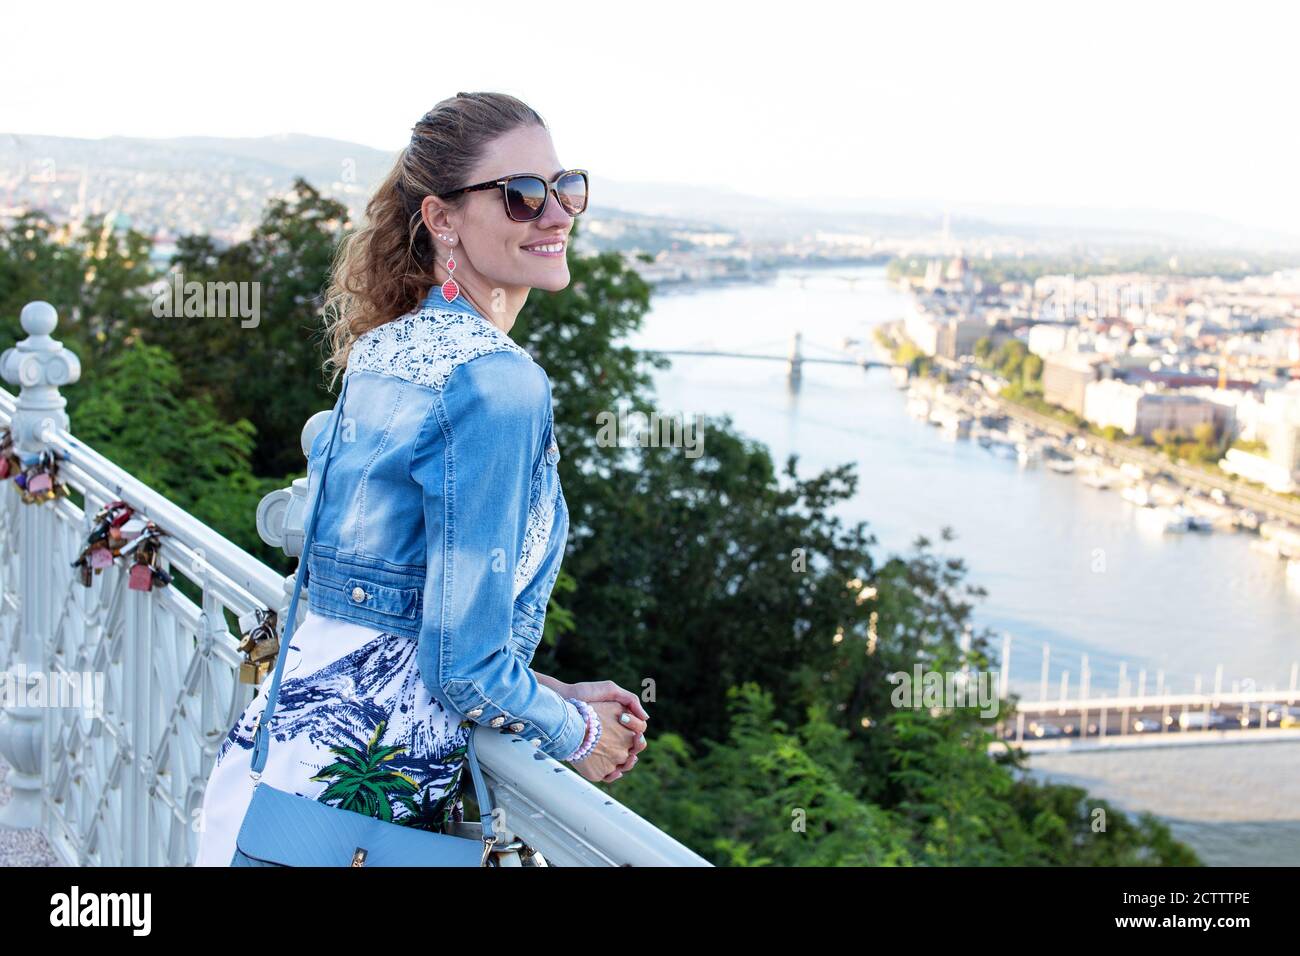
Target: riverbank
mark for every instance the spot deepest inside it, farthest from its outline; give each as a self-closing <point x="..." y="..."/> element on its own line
<point x="1169" y="498"/>
<point x="980" y="399"/>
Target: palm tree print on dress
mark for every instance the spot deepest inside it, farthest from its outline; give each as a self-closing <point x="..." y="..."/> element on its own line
<point x="359" y="781"/>
<point x="365" y="724"/>
<point x="436" y="814"/>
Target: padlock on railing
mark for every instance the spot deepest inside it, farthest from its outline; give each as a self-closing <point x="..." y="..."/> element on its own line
<point x="146" y="573"/>
<point x="10" y="465"/>
<point x="260" y="645"/>
<point x="39" y="481"/>
<point x="111" y="528"/>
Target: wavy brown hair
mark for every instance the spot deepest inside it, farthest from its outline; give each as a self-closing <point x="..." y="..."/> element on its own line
<point x="386" y="268"/>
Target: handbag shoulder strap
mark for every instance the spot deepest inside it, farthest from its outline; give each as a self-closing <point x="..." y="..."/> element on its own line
<point x="262" y="736"/>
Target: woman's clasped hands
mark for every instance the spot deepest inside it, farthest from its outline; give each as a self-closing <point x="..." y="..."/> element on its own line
<point x="622" y="735"/>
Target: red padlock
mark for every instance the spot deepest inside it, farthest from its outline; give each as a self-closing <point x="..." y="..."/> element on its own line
<point x="141" y="577"/>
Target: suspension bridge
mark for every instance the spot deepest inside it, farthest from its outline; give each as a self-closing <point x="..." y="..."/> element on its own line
<point x="794" y="357"/>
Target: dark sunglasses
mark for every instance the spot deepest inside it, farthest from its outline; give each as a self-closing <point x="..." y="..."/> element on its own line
<point x="526" y="194"/>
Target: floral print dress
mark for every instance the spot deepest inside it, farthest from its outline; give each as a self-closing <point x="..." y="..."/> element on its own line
<point x="354" y="727"/>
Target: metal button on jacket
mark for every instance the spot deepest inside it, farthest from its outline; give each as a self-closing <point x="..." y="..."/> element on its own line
<point x="476" y="712"/>
<point x="498" y="721"/>
<point x="358" y="594"/>
<point x="517" y="726"/>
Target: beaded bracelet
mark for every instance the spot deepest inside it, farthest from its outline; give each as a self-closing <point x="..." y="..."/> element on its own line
<point x="593" y="730"/>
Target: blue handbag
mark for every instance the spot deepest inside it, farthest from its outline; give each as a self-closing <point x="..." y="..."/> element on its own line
<point x="285" y="829"/>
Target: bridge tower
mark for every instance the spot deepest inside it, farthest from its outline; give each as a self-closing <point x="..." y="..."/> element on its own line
<point x="795" y="364"/>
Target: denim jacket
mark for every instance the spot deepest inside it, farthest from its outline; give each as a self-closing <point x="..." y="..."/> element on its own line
<point x="443" y="518"/>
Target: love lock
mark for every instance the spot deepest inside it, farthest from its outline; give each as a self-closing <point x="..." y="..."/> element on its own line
<point x="146" y="573"/>
<point x="9" y="463"/>
<point x="260" y="644"/>
<point x="111" y="527"/>
<point x="40" y="482"/>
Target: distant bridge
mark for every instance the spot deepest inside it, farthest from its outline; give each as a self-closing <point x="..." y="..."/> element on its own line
<point x="794" y="359"/>
<point x="1130" y="723"/>
<point x="1133" y="719"/>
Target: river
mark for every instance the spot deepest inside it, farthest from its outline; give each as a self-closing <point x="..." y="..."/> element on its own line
<point x="1065" y="565"/>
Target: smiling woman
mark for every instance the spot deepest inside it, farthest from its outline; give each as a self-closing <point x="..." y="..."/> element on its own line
<point x="478" y="174"/>
<point x="440" y="533"/>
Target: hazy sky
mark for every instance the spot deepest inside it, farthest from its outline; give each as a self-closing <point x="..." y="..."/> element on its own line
<point x="1179" y="106"/>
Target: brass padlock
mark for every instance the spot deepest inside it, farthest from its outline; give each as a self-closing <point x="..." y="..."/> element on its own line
<point x="254" y="672"/>
<point x="265" y="648"/>
<point x="259" y="643"/>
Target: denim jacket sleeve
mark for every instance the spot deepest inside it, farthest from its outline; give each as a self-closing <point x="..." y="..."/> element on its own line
<point x="475" y="457"/>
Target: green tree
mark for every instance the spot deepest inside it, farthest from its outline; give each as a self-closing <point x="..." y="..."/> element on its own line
<point x="1009" y="359"/>
<point x="765" y="795"/>
<point x="268" y="373"/>
<point x="97" y="277"/>
<point x="133" y="414"/>
<point x="1032" y="373"/>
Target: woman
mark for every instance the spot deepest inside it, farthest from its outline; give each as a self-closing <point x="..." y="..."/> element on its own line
<point x="442" y="523"/>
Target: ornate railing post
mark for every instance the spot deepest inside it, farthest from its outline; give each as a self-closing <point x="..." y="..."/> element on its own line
<point x="282" y="514"/>
<point x="38" y="365"/>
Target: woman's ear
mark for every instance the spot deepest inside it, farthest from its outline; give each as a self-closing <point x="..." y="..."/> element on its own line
<point x="433" y="212"/>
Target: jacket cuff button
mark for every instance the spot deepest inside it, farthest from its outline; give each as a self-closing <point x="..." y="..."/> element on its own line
<point x="498" y="721"/>
<point x="476" y="712"/>
<point x="517" y="726"/>
<point x="358" y="595"/>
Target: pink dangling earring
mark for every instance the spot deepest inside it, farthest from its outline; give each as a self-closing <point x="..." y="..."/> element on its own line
<point x="449" y="288"/>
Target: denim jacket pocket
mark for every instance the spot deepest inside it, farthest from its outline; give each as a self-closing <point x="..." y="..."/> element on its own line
<point x="398" y="602"/>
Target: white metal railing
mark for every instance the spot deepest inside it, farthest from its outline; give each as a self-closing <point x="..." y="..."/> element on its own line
<point x="122" y="784"/>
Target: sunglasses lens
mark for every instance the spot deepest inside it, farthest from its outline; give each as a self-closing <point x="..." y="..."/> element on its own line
<point x="525" y="197"/>
<point x="572" y="190"/>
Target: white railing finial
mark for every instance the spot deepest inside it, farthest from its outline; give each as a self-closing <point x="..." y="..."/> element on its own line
<point x="38" y="365"/>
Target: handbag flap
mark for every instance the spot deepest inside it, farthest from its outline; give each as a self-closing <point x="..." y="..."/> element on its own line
<point x="284" y="829"/>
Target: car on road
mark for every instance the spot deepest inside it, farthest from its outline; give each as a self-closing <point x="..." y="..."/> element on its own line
<point x="1043" y="730"/>
<point x="1201" y="720"/>
<point x="1282" y="715"/>
<point x="1145" y="725"/>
